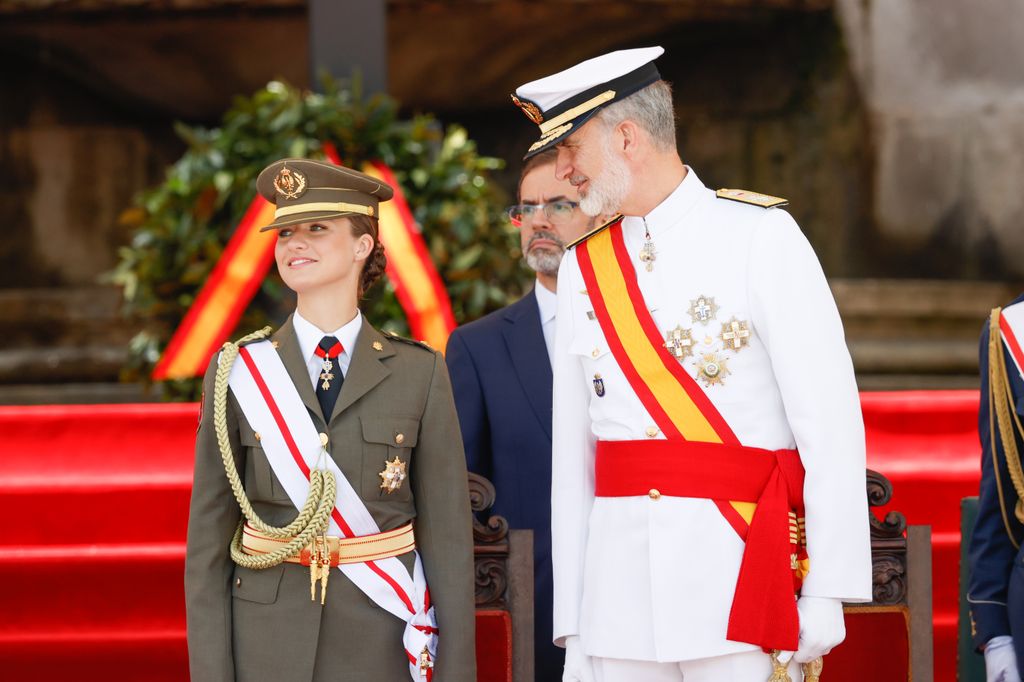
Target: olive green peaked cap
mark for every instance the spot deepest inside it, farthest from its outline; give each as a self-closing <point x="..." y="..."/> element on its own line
<point x="305" y="190"/>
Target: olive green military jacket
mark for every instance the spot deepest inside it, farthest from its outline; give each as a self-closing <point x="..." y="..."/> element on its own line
<point x="262" y="625"/>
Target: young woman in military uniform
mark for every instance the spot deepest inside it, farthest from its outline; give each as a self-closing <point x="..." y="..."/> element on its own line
<point x="264" y="594"/>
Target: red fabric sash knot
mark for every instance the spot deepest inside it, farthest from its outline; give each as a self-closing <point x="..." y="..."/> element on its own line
<point x="764" y="605"/>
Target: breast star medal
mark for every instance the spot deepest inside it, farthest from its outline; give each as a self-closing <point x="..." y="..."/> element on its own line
<point x="393" y="475"/>
<point x="711" y="368"/>
<point x="679" y="342"/>
<point x="703" y="309"/>
<point x="325" y="373"/>
<point x="598" y="385"/>
<point x="735" y="334"/>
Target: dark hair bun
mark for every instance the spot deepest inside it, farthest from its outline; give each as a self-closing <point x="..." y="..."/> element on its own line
<point x="373" y="268"/>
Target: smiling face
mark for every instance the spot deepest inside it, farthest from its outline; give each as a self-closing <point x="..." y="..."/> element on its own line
<point x="321" y="255"/>
<point x="588" y="160"/>
<point x="542" y="239"/>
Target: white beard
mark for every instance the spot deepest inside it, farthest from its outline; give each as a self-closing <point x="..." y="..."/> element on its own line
<point x="607" y="191"/>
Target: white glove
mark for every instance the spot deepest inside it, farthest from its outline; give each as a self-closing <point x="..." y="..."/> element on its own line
<point x="1001" y="660"/>
<point x="578" y="667"/>
<point x="821" y="627"/>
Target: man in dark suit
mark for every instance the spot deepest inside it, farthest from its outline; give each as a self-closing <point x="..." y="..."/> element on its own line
<point x="500" y="367"/>
<point x="996" y="591"/>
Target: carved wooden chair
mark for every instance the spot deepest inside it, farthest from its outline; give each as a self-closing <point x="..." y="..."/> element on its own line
<point x="888" y="639"/>
<point x="504" y="591"/>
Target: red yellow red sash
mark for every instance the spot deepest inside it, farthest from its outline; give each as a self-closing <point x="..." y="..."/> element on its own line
<point x="756" y="490"/>
<point x="677" y="404"/>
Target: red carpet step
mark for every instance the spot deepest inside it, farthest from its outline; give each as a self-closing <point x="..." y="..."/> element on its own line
<point x="98" y="497"/>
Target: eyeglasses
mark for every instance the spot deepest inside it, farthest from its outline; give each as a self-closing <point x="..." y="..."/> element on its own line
<point x="558" y="212"/>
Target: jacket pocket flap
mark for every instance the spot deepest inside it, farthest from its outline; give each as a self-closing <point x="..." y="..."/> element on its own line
<point x="399" y="432"/>
<point x="257" y="586"/>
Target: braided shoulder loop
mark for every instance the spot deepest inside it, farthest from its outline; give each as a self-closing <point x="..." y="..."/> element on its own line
<point x="315" y="515"/>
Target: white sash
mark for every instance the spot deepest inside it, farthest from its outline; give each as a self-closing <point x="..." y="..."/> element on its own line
<point x="1011" y="326"/>
<point x="273" y="407"/>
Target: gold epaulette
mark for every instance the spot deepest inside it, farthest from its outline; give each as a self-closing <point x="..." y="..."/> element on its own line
<point x="588" y="235"/>
<point x="395" y="337"/>
<point x="753" y="198"/>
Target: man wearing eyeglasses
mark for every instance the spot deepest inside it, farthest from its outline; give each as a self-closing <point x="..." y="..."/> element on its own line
<point x="500" y="367"/>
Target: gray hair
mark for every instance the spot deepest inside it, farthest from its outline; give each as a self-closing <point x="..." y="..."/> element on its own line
<point x="651" y="109"/>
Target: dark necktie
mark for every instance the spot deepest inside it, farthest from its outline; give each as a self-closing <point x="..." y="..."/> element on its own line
<point x="328" y="384"/>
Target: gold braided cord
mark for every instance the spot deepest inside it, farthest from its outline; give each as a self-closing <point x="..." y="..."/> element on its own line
<point x="999" y="399"/>
<point x="315" y="515"/>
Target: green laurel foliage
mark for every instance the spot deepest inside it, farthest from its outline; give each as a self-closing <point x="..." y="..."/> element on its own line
<point x="180" y="227"/>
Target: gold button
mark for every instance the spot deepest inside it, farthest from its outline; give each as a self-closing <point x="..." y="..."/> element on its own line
<point x="324" y="439"/>
<point x="652" y="431"/>
<point x="238" y="582"/>
<point x="257" y="434"/>
<point x="595" y="352"/>
<point x="655" y="494"/>
<point x="400" y="438"/>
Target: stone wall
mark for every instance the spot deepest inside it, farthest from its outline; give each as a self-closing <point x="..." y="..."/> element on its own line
<point x="943" y="81"/>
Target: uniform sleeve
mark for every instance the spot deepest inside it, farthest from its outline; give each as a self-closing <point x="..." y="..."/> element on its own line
<point x="795" y="315"/>
<point x="444" y="531"/>
<point x="991" y="552"/>
<point x="213" y="517"/>
<point x="469" y="403"/>
<point x="572" y="464"/>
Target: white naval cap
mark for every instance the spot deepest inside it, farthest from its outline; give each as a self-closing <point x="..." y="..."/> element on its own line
<point x="562" y="102"/>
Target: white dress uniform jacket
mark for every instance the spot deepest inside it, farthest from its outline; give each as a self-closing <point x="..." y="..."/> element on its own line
<point x="653" y="579"/>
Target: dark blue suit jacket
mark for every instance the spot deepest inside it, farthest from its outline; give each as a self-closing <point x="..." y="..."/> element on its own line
<point x="501" y="378"/>
<point x="996" y="591"/>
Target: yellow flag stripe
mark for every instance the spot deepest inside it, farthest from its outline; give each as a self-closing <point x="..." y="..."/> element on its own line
<point x="191" y="360"/>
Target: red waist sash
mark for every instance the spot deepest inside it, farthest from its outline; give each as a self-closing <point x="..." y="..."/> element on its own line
<point x="763" y="608"/>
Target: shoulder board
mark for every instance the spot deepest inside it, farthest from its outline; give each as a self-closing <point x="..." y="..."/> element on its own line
<point x="588" y="235"/>
<point x="412" y="342"/>
<point x="753" y="198"/>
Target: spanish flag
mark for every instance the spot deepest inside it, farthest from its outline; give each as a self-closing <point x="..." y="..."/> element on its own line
<point x="249" y="254"/>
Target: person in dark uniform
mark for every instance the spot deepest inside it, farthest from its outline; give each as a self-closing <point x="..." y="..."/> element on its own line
<point x="501" y="375"/>
<point x="358" y="430"/>
<point x="996" y="590"/>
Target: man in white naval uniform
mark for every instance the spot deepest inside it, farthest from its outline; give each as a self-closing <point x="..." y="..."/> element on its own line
<point x="745" y="364"/>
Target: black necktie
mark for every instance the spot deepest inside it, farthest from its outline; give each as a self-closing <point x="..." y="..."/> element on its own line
<point x="328" y="384"/>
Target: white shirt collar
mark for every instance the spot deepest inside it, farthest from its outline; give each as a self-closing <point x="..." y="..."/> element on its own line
<point x="309" y="335"/>
<point x="675" y="206"/>
<point x="547" y="301"/>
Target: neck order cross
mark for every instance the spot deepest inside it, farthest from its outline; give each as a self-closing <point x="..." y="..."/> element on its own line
<point x="328" y="349"/>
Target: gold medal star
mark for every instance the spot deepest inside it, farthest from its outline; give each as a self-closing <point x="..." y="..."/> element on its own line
<point x="393" y="475"/>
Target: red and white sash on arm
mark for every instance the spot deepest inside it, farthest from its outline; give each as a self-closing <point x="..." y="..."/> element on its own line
<point x="273" y="407"/>
<point x="1011" y="326"/>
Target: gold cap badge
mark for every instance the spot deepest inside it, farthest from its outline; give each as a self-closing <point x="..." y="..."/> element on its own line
<point x="531" y="110"/>
<point x="289" y="183"/>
